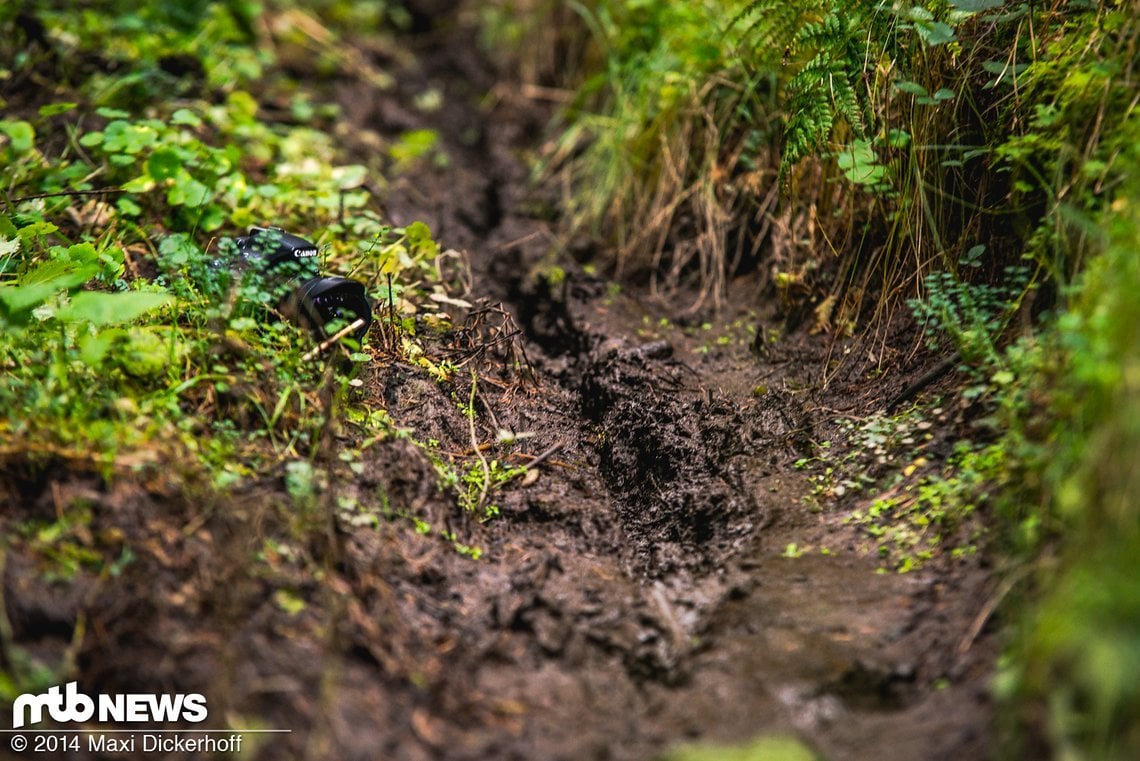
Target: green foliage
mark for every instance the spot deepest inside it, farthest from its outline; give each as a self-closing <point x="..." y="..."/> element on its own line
<point x="1076" y="668"/>
<point x="205" y="186"/>
<point x="973" y="316"/>
<point x="1073" y="99"/>
<point x="184" y="163"/>
<point x="821" y="94"/>
<point x="300" y="482"/>
<point x="769" y="748"/>
<point x="643" y="142"/>
<point x="951" y="123"/>
<point x="106" y="367"/>
<point x="196" y="359"/>
<point x="363" y="14"/>
<point x="912" y="503"/>
<point x="414" y="146"/>
<point x="149" y="343"/>
<point x="149" y="48"/>
<point x="860" y="164"/>
<point x="921" y="515"/>
<point x="57" y="338"/>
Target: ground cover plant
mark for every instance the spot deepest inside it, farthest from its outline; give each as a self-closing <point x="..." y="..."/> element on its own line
<point x="91" y="189"/>
<point x="132" y="328"/>
<point x="136" y="343"/>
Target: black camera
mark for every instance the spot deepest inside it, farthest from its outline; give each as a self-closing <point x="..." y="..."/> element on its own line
<point x="287" y="266"/>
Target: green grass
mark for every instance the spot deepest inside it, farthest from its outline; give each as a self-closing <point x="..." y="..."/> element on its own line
<point x="903" y="139"/>
<point x="640" y="147"/>
<point x="131" y="345"/>
<point x="129" y="338"/>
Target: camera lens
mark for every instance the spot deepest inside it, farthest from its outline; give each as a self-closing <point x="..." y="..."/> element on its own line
<point x="324" y="299"/>
<point x="277" y="261"/>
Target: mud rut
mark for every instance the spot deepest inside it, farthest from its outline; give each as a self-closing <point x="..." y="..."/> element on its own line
<point x="632" y="598"/>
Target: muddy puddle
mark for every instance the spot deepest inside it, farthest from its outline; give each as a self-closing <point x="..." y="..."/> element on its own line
<point x="636" y="596"/>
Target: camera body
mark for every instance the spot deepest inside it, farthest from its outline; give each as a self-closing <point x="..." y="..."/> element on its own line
<point x="289" y="264"/>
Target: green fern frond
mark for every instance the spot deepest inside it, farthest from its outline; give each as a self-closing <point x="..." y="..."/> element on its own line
<point x="830" y="39"/>
<point x="771" y="26"/>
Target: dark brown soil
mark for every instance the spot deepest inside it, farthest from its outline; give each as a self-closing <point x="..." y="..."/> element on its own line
<point x="634" y="597"/>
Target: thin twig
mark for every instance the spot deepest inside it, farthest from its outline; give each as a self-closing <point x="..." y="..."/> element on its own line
<point x="519" y="241"/>
<point x="475" y="442"/>
<point x="932" y="375"/>
<point x="987" y="610"/>
<point x="546" y="454"/>
<point x="57" y="194"/>
<point x="490" y="411"/>
<point x="536" y="461"/>
<point x="391" y="316"/>
<point x="316" y="350"/>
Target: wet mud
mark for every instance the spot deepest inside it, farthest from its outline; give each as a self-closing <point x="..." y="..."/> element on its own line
<point x="635" y="596"/>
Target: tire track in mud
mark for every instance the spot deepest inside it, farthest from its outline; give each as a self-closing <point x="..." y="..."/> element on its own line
<point x="606" y="574"/>
<point x="663" y="458"/>
<point x="665" y="455"/>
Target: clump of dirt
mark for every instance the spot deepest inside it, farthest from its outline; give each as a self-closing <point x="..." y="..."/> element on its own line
<point x="636" y="595"/>
<point x="664" y="457"/>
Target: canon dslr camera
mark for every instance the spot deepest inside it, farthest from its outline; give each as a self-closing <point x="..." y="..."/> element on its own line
<point x="287" y="267"/>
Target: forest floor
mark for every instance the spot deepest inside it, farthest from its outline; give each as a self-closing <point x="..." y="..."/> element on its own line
<point x="637" y="595"/>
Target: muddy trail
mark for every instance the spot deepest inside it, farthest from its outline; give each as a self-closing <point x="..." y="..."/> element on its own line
<point x="633" y="597"/>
